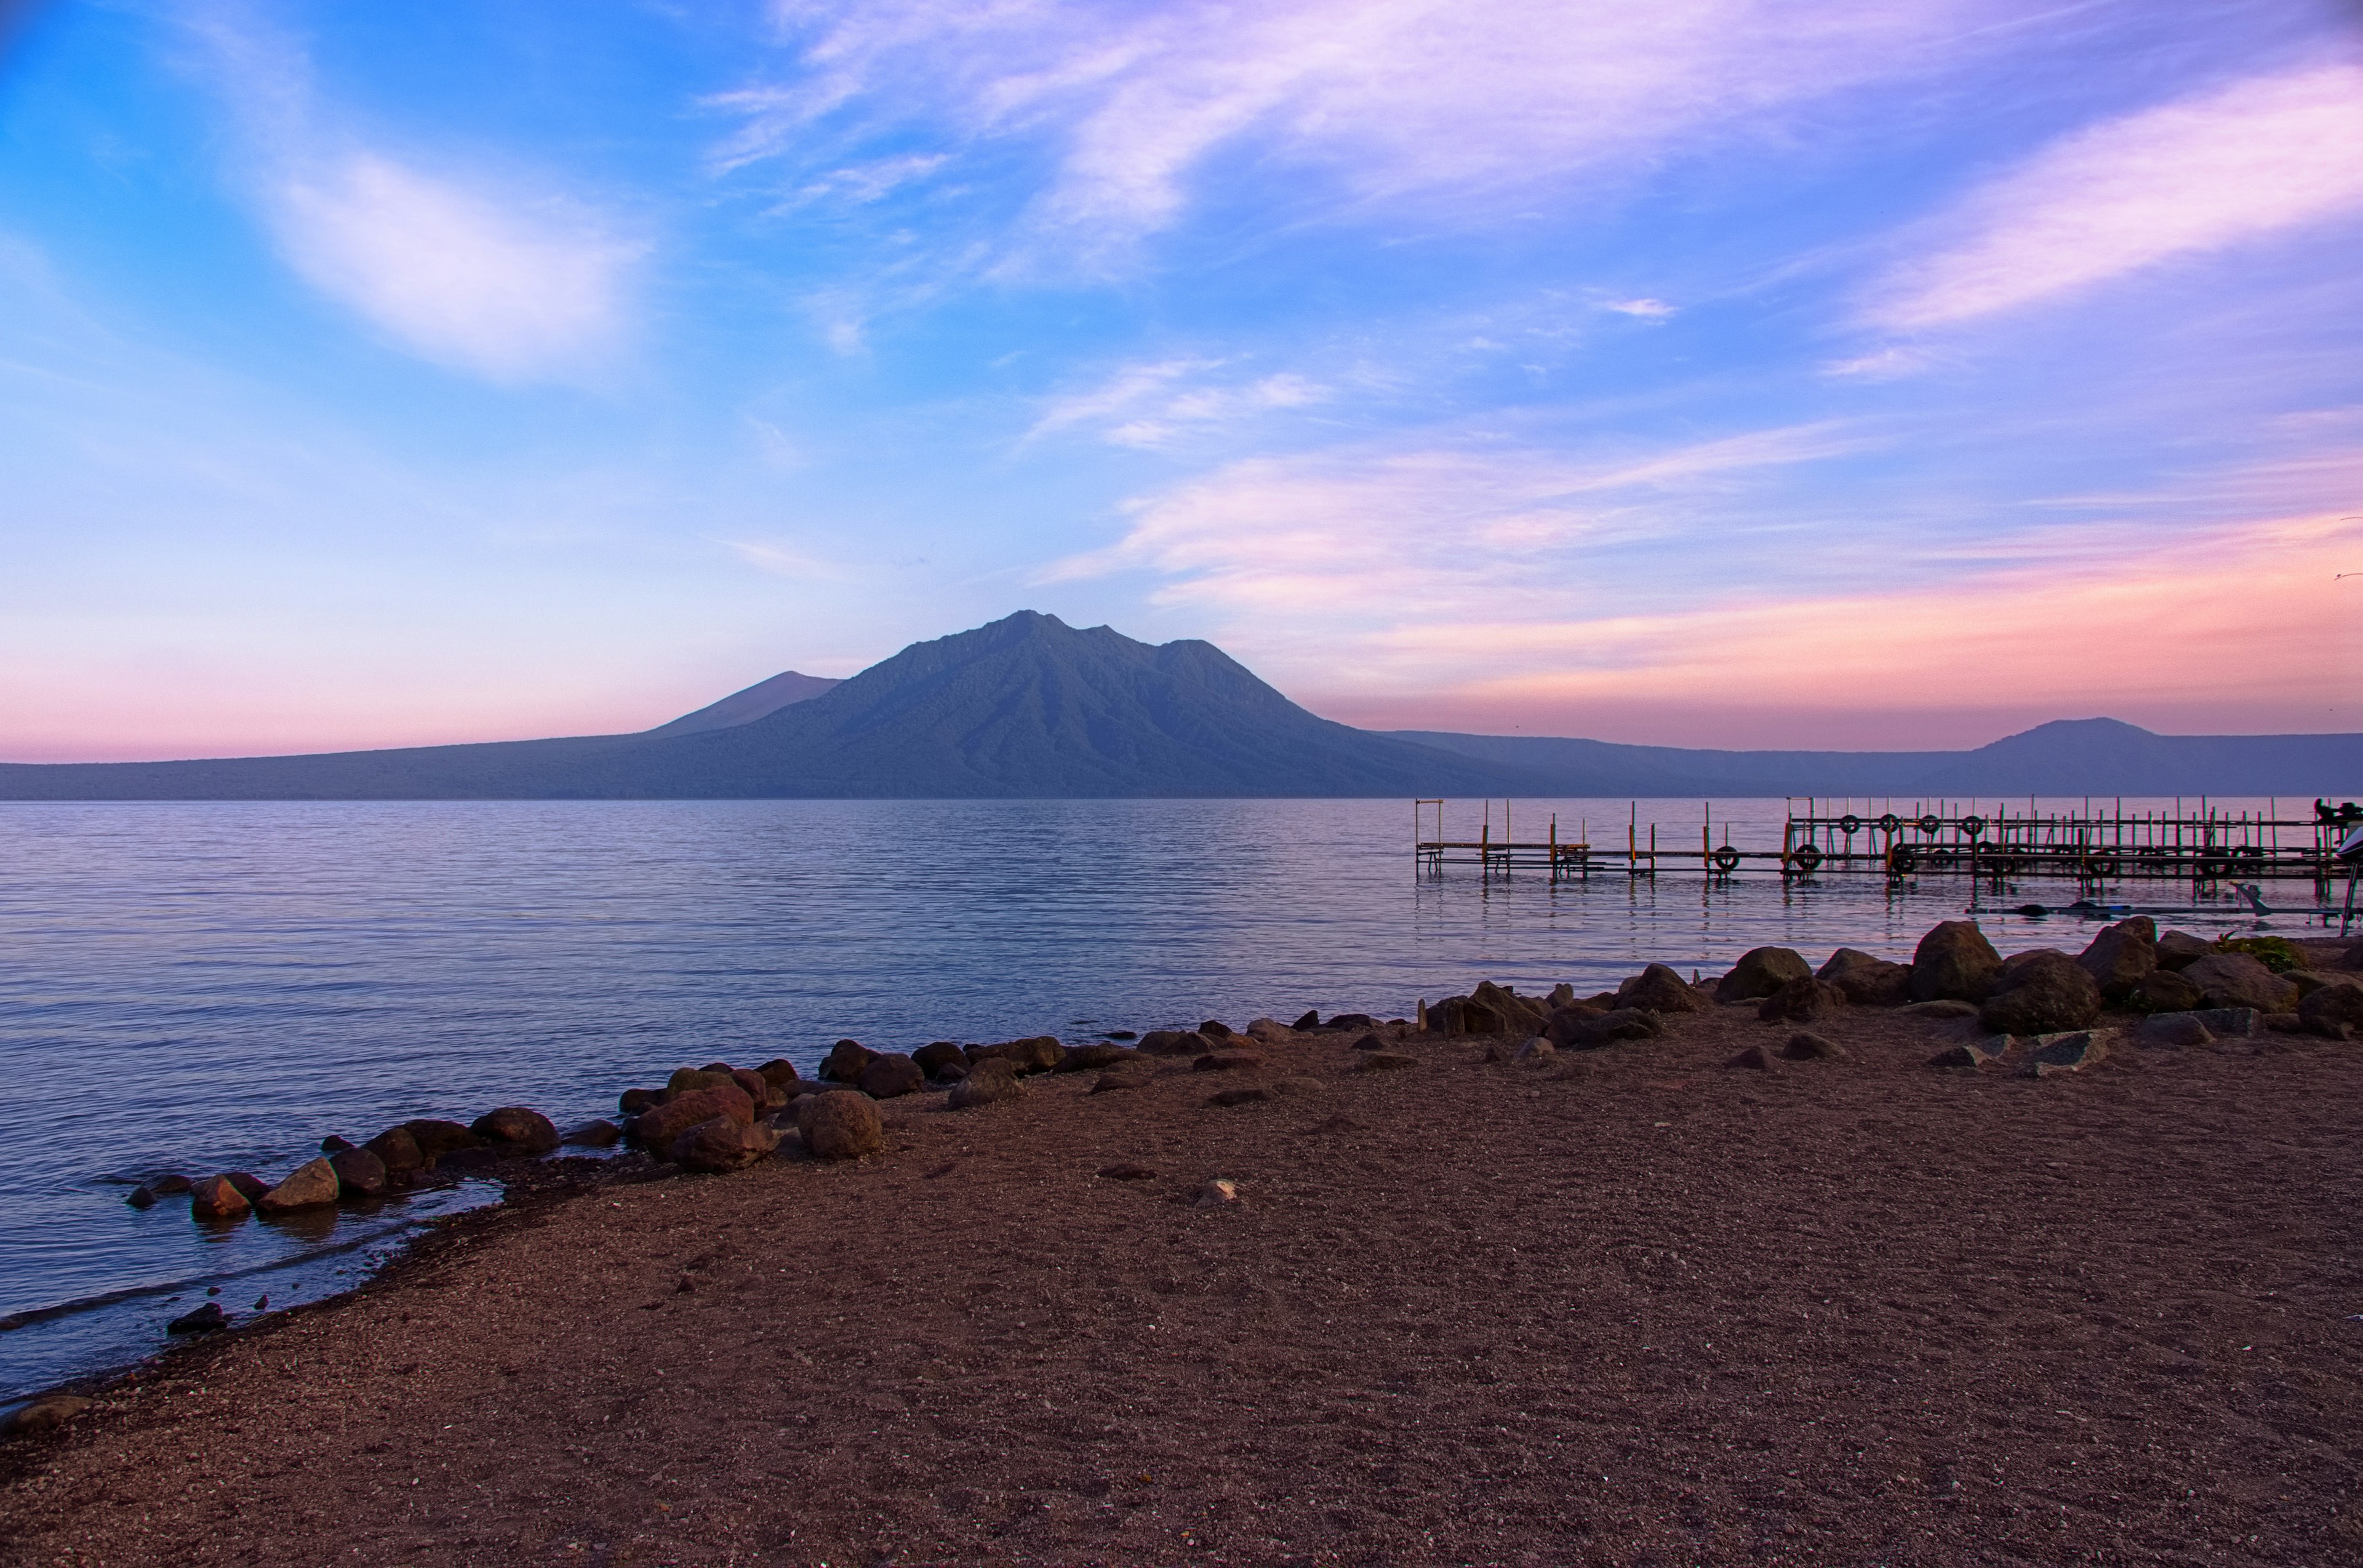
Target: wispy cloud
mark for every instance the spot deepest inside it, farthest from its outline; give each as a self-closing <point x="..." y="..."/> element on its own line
<point x="2258" y="157"/>
<point x="1158" y="403"/>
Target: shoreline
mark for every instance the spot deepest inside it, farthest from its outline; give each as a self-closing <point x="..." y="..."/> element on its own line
<point x="1623" y="1303"/>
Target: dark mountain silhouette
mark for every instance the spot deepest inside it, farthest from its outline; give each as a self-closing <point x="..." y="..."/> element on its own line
<point x="1029" y="707"/>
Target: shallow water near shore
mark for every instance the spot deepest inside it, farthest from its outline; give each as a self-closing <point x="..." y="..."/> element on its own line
<point x="199" y="988"/>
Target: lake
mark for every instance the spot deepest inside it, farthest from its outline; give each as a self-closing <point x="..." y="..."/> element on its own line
<point x="210" y="987"/>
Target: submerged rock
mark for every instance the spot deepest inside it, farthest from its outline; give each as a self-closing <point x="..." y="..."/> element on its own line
<point x="206" y="1320"/>
<point x="216" y="1197"/>
<point x="359" y="1174"/>
<point x="309" y="1186"/>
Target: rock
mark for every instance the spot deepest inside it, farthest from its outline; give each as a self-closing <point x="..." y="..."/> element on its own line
<point x="459" y="1159"/>
<point x="1804" y="1046"/>
<point x="632" y="1101"/>
<point x="518" y="1130"/>
<point x="1519" y="1014"/>
<point x="1371" y="1042"/>
<point x="1571" y="1030"/>
<point x="250" y="1186"/>
<point x="689" y="1080"/>
<point x="206" y="1320"/>
<point x="1953" y="961"/>
<point x="309" y="1186"/>
<point x="2045" y="993"/>
<point x="2309" y="981"/>
<point x="1036" y="1054"/>
<point x="2179" y="948"/>
<point x="1759" y="972"/>
<point x="1987" y="1053"/>
<point x="1754" y="1057"/>
<point x="216" y="1197"/>
<point x="2326" y="1007"/>
<point x="2120" y="955"/>
<point x="1944" y="1008"/>
<point x="1385" y="1062"/>
<point x="142" y="1196"/>
<point x="2236" y="980"/>
<point x="1351" y="1021"/>
<point x="889" y="1076"/>
<point x="658" y="1125"/>
<point x="725" y="1143"/>
<point x="2230" y="1023"/>
<point x="988" y="1083"/>
<point x="2163" y="991"/>
<point x="1457" y="1016"/>
<point x="597" y="1133"/>
<point x="844" y="1127"/>
<point x="1216" y="1193"/>
<point x="43" y="1414"/>
<point x="1083" y="1058"/>
<point x="396" y="1151"/>
<point x="169" y="1184"/>
<point x="2291" y="1023"/>
<point x="359" y="1174"/>
<point x="2171" y="1031"/>
<point x="1296" y="1086"/>
<point x="1867" y="981"/>
<point x="933" y="1059"/>
<point x="1127" y="1172"/>
<point x="1311" y="1020"/>
<point x="332" y="1144"/>
<point x="1270" y="1032"/>
<point x="2072" y="1053"/>
<point x="1118" y="1079"/>
<point x="1658" y="989"/>
<point x="1253" y="1094"/>
<point x="759" y="1088"/>
<point x="1177" y="1042"/>
<point x="1802" y="1000"/>
<point x="435" y="1139"/>
<point x="1536" y="1052"/>
<point x="845" y="1061"/>
<point x="781" y="1072"/>
<point x="952" y="1072"/>
<point x="1228" y="1062"/>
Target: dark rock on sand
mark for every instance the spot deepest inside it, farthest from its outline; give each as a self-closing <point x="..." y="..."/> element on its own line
<point x="519" y="1131"/>
<point x="1311" y="1020"/>
<point x="2120" y="955"/>
<point x="1371" y="1042"/>
<point x="43" y="1414"/>
<point x="1458" y="1015"/>
<point x="659" y="1125"/>
<point x="1591" y="1033"/>
<point x="934" y="1058"/>
<point x="1519" y="1014"/>
<point x="359" y="1174"/>
<point x="845" y="1061"/>
<point x="2166" y="1031"/>
<point x="1991" y="1052"/>
<point x="725" y="1143"/>
<point x="1867" y="981"/>
<point x="309" y="1186"/>
<point x="2177" y="949"/>
<point x="1036" y="1053"/>
<point x="216" y="1198"/>
<point x="1177" y="1042"/>
<point x="1536" y="1052"/>
<point x="1083" y="1058"/>
<point x="841" y="1127"/>
<point x="1754" y="1057"/>
<point x="2163" y="991"/>
<point x="889" y="1076"/>
<point x="1953" y="961"/>
<point x="1118" y="1079"/>
<point x="1759" y="972"/>
<point x="436" y="1138"/>
<point x="2041" y="993"/>
<point x="2230" y="1023"/>
<point x="1660" y="990"/>
<point x="988" y="1083"/>
<point x="2070" y="1052"/>
<point x="2236" y="980"/>
<point x="1806" y="1047"/>
<point x="632" y="1101"/>
<point x="2327" y="1007"/>
<point x="206" y="1320"/>
<point x="1350" y="1021"/>
<point x="596" y="1133"/>
<point x="1228" y="1062"/>
<point x="1802" y="1000"/>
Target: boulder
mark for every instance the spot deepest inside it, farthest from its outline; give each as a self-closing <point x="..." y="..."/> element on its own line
<point x="888" y="1077"/>
<point x="1458" y="1015"/>
<point x="1036" y="1053"/>
<point x="2072" y="1053"/>
<point x="216" y="1197"/>
<point x="1572" y="1031"/>
<point x="781" y="1072"/>
<point x="309" y="1186"/>
<point x="2290" y="1023"/>
<point x="1979" y="1055"/>
<point x="1755" y="1058"/>
<point x="142" y="1196"/>
<point x="359" y="1174"/>
<point x="1311" y="1020"/>
<point x="845" y="1061"/>
<point x="1371" y="1042"/>
<point x="1228" y="1062"/>
<point x="1519" y="1014"/>
<point x="1118" y="1079"/>
<point x="1536" y="1052"/>
<point x="658" y="1125"/>
<point x="1953" y="961"/>
<point x="42" y="1415"/>
<point x="436" y="1138"/>
<point x="169" y="1184"/>
<point x="1802" y="1000"/>
<point x="1086" y="1058"/>
<point x="2171" y="1031"/>
<point x="1660" y="990"/>
<point x="1270" y="1032"/>
<point x="206" y="1320"/>
<point x="1385" y="1062"/>
<point x="2236" y="980"/>
<point x="725" y="1143"/>
<point x="1759" y="972"/>
<point x="2163" y="990"/>
<point x="2229" y="1023"/>
<point x="249" y="1185"/>
<point x="933" y="1059"/>
<point x="1804" y="1046"/>
<point x="952" y="1072"/>
<point x="760" y="1089"/>
<point x="2177" y="949"/>
<point x="2309" y="981"/>
<point x="988" y="1081"/>
<point x="1176" y="1042"/>
<point x="518" y="1129"/>
<point x="596" y="1133"/>
<point x="632" y="1101"/>
<point x="2120" y="956"/>
<point x="689" y="1080"/>
<point x="1867" y="981"/>
<point x="332" y="1144"/>
<point x="1351" y="1021"/>
<point x="396" y="1151"/>
<point x="2327" y="1007"/>
<point x="840" y="1127"/>
<point x="2047" y="992"/>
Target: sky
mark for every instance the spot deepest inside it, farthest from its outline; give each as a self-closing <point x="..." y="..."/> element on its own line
<point x="1711" y="372"/>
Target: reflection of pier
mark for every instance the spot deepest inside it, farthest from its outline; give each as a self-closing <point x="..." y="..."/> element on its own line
<point x="2202" y="845"/>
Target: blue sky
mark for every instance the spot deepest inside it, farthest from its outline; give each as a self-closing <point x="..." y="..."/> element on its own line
<point x="1707" y="372"/>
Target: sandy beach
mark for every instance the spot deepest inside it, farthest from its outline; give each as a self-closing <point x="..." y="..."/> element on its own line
<point x="1632" y="1305"/>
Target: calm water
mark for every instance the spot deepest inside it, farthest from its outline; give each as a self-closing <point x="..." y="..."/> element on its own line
<point x="216" y="987"/>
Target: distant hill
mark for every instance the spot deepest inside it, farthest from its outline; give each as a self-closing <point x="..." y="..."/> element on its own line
<point x="1030" y="706"/>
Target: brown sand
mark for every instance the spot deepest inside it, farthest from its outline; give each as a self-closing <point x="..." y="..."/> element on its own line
<point x="1637" y="1308"/>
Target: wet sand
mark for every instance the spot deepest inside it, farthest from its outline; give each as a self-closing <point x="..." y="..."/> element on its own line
<point x="1631" y="1308"/>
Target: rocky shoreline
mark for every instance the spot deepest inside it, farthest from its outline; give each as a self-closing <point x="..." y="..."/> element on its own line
<point x="2132" y="1004"/>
